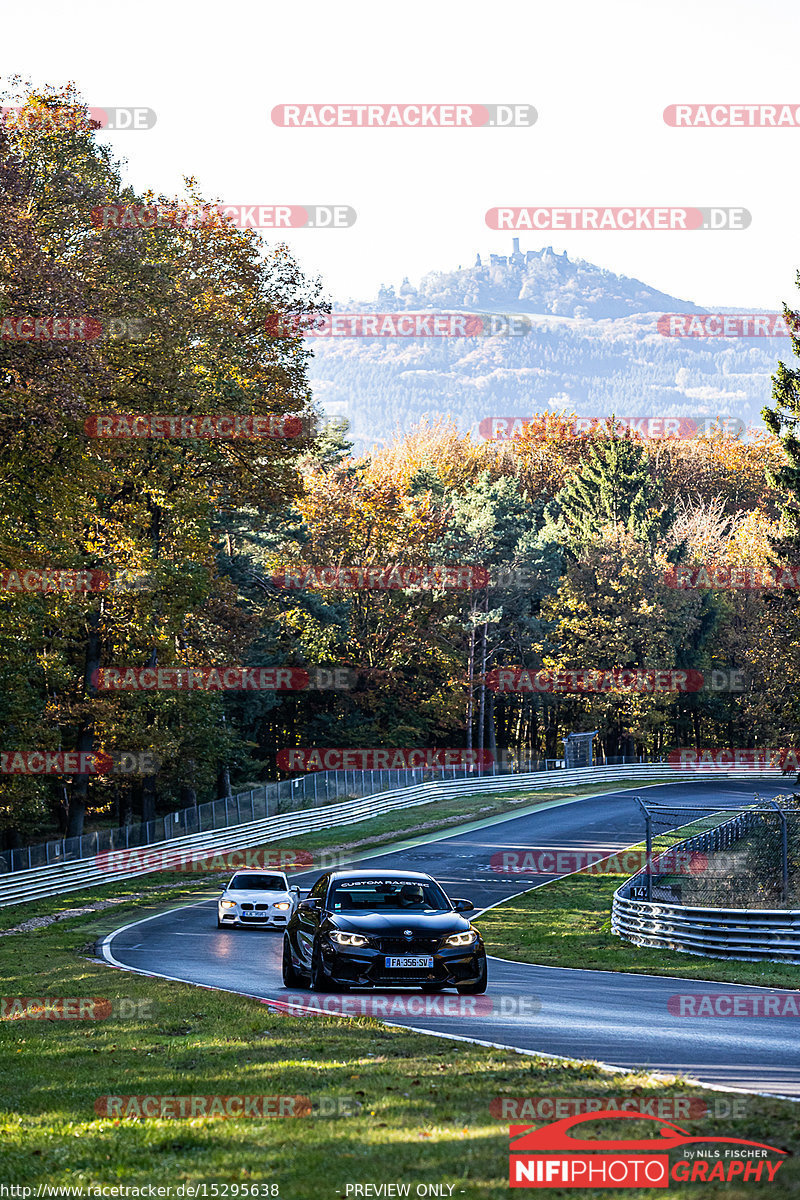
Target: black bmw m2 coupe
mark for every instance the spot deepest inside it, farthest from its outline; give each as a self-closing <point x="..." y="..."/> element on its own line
<point x="382" y="929"/>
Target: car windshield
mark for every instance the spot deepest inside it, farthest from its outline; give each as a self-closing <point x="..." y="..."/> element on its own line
<point x="388" y="895"/>
<point x="258" y="883"/>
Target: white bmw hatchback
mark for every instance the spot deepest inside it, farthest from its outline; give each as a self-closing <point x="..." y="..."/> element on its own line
<point x="256" y="899"/>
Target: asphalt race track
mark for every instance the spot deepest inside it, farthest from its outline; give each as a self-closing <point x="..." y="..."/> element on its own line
<point x="618" y="1019"/>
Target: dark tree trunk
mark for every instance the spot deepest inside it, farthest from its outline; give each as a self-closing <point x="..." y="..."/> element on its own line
<point x="80" y="786"/>
<point x="492" y="733"/>
<point x="126" y="806"/>
<point x="188" y="796"/>
<point x="61" y="812"/>
<point x="148" y="798"/>
<point x="470" y="679"/>
<point x="223" y="783"/>
<point x="482" y="702"/>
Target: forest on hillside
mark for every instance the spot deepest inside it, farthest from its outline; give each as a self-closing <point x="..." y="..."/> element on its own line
<point x="578" y="536"/>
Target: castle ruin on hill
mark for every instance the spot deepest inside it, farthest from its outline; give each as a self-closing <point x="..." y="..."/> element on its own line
<point x="517" y="258"/>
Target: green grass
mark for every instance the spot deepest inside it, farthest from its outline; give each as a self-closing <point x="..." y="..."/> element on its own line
<point x="567" y="923"/>
<point x="422" y="1106"/>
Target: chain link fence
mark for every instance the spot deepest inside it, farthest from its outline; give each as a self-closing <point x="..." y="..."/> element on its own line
<point x="711" y="857"/>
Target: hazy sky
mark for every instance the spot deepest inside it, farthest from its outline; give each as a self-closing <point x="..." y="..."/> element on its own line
<point x="599" y="75"/>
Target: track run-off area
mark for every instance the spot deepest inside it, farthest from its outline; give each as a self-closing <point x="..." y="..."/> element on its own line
<point x="620" y="1019"/>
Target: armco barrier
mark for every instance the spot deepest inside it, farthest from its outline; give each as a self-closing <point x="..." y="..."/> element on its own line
<point x="750" y="935"/>
<point x="58" y="878"/>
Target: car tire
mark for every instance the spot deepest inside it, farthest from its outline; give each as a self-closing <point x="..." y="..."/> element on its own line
<point x="221" y="924"/>
<point x="477" y="988"/>
<point x="290" y="977"/>
<point x="320" y="980"/>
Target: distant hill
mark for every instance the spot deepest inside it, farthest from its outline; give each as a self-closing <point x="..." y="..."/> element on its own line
<point x="594" y="347"/>
<point x="534" y="281"/>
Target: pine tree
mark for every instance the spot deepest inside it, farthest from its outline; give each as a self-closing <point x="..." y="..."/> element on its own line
<point x="612" y="486"/>
<point x="783" y="421"/>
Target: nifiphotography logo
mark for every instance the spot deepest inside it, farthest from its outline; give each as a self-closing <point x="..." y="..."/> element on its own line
<point x="550" y="1156"/>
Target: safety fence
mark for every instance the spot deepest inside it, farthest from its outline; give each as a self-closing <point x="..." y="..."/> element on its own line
<point x="750" y="856"/>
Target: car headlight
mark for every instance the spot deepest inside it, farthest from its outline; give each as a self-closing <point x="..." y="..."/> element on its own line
<point x="227" y="904"/>
<point x="283" y="905"/>
<point x="461" y="939"/>
<point x="349" y="939"/>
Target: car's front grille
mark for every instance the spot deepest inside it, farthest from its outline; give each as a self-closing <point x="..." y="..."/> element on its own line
<point x="408" y="945"/>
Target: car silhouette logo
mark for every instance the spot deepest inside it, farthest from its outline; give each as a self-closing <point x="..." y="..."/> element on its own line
<point x="555" y="1136"/>
<point x="408" y="933"/>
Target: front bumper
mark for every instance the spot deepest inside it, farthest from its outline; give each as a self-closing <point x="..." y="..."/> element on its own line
<point x="366" y="966"/>
<point x="245" y="920"/>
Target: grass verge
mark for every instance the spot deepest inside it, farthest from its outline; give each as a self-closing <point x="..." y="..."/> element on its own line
<point x="567" y="923"/>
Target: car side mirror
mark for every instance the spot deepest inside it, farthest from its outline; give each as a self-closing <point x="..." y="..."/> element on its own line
<point x="463" y="905"/>
<point x="309" y="904"/>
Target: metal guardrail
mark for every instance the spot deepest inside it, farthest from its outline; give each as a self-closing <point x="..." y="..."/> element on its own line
<point x="271" y="799"/>
<point x="749" y="935"/>
<point x="56" y="878"/>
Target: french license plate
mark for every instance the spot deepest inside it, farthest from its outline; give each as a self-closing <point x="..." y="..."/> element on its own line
<point x="256" y="916"/>
<point x="420" y="961"/>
